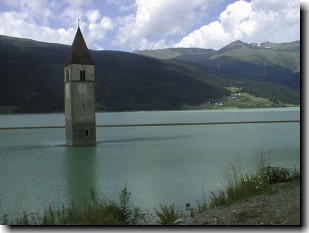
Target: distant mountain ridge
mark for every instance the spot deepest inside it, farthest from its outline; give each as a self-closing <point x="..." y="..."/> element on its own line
<point x="264" y="62"/>
<point x="31" y="77"/>
<point x="286" y="55"/>
<point x="170" y="53"/>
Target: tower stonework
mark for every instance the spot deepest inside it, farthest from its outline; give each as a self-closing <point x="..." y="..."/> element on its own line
<point x="79" y="82"/>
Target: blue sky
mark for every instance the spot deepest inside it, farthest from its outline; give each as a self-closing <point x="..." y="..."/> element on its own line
<point x="129" y="25"/>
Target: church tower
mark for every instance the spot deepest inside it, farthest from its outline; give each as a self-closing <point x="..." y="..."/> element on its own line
<point x="79" y="82"/>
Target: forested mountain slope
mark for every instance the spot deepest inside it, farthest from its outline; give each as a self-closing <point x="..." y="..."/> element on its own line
<point x="31" y="76"/>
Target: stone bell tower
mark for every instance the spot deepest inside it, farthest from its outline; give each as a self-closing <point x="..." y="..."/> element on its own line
<point x="79" y="83"/>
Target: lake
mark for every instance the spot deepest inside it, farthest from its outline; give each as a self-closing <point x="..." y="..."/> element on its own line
<point x="164" y="164"/>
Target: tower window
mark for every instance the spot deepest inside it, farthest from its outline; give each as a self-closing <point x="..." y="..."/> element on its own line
<point x="82" y="74"/>
<point x="87" y="132"/>
<point x="67" y="77"/>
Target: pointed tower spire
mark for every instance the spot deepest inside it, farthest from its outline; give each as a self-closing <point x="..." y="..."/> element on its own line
<point x="79" y="52"/>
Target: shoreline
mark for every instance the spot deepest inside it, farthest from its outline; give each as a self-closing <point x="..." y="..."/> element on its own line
<point x="56" y="120"/>
<point x="171" y="110"/>
<point x="159" y="125"/>
<point x="279" y="206"/>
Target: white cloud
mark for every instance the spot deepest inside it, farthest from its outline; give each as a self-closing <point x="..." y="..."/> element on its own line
<point x="73" y="4"/>
<point x="93" y="15"/>
<point x="123" y="5"/>
<point x="33" y="12"/>
<point x="104" y="24"/>
<point x="32" y="19"/>
<point x="15" y="24"/>
<point x="71" y="10"/>
<point x="235" y="16"/>
<point x="144" y="43"/>
<point x="36" y="10"/>
<point x="206" y="37"/>
<point x="256" y="21"/>
<point x="27" y="19"/>
<point x="34" y="6"/>
<point x="158" y="20"/>
<point x="146" y="24"/>
<point x="97" y="31"/>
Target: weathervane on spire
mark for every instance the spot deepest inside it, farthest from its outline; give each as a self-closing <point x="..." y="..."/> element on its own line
<point x="78" y="20"/>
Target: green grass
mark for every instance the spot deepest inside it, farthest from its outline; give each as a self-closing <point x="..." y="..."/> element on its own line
<point x="168" y="215"/>
<point x="95" y="212"/>
<point x="239" y="99"/>
<point x="243" y="100"/>
<point x="242" y="183"/>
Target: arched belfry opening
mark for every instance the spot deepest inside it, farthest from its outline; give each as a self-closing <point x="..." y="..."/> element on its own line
<point x="79" y="81"/>
<point x="82" y="75"/>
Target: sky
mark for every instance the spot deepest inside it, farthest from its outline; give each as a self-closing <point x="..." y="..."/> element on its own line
<point x="128" y="25"/>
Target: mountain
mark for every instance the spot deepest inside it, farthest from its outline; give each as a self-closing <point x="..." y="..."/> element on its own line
<point x="267" y="70"/>
<point x="286" y="55"/>
<point x="31" y="76"/>
<point x="264" y="62"/>
<point x="31" y="80"/>
<point x="170" y="53"/>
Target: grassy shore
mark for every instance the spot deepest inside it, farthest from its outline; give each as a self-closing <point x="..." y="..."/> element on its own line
<point x="238" y="100"/>
<point x="241" y="184"/>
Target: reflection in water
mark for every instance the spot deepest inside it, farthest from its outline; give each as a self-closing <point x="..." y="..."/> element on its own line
<point x="80" y="172"/>
<point x="161" y="165"/>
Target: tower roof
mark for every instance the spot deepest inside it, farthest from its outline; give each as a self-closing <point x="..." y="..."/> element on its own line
<point x="79" y="53"/>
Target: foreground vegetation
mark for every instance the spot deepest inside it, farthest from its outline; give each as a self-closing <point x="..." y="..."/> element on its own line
<point x="240" y="184"/>
<point x="95" y="212"/>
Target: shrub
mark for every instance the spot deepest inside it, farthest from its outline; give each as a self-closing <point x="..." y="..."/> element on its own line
<point x="279" y="174"/>
<point x="245" y="184"/>
<point x="95" y="212"/>
<point x="124" y="205"/>
<point x="217" y="200"/>
<point x="242" y="184"/>
<point x="167" y="215"/>
<point x="202" y="206"/>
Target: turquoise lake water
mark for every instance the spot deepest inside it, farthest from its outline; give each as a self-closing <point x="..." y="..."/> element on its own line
<point x="159" y="164"/>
